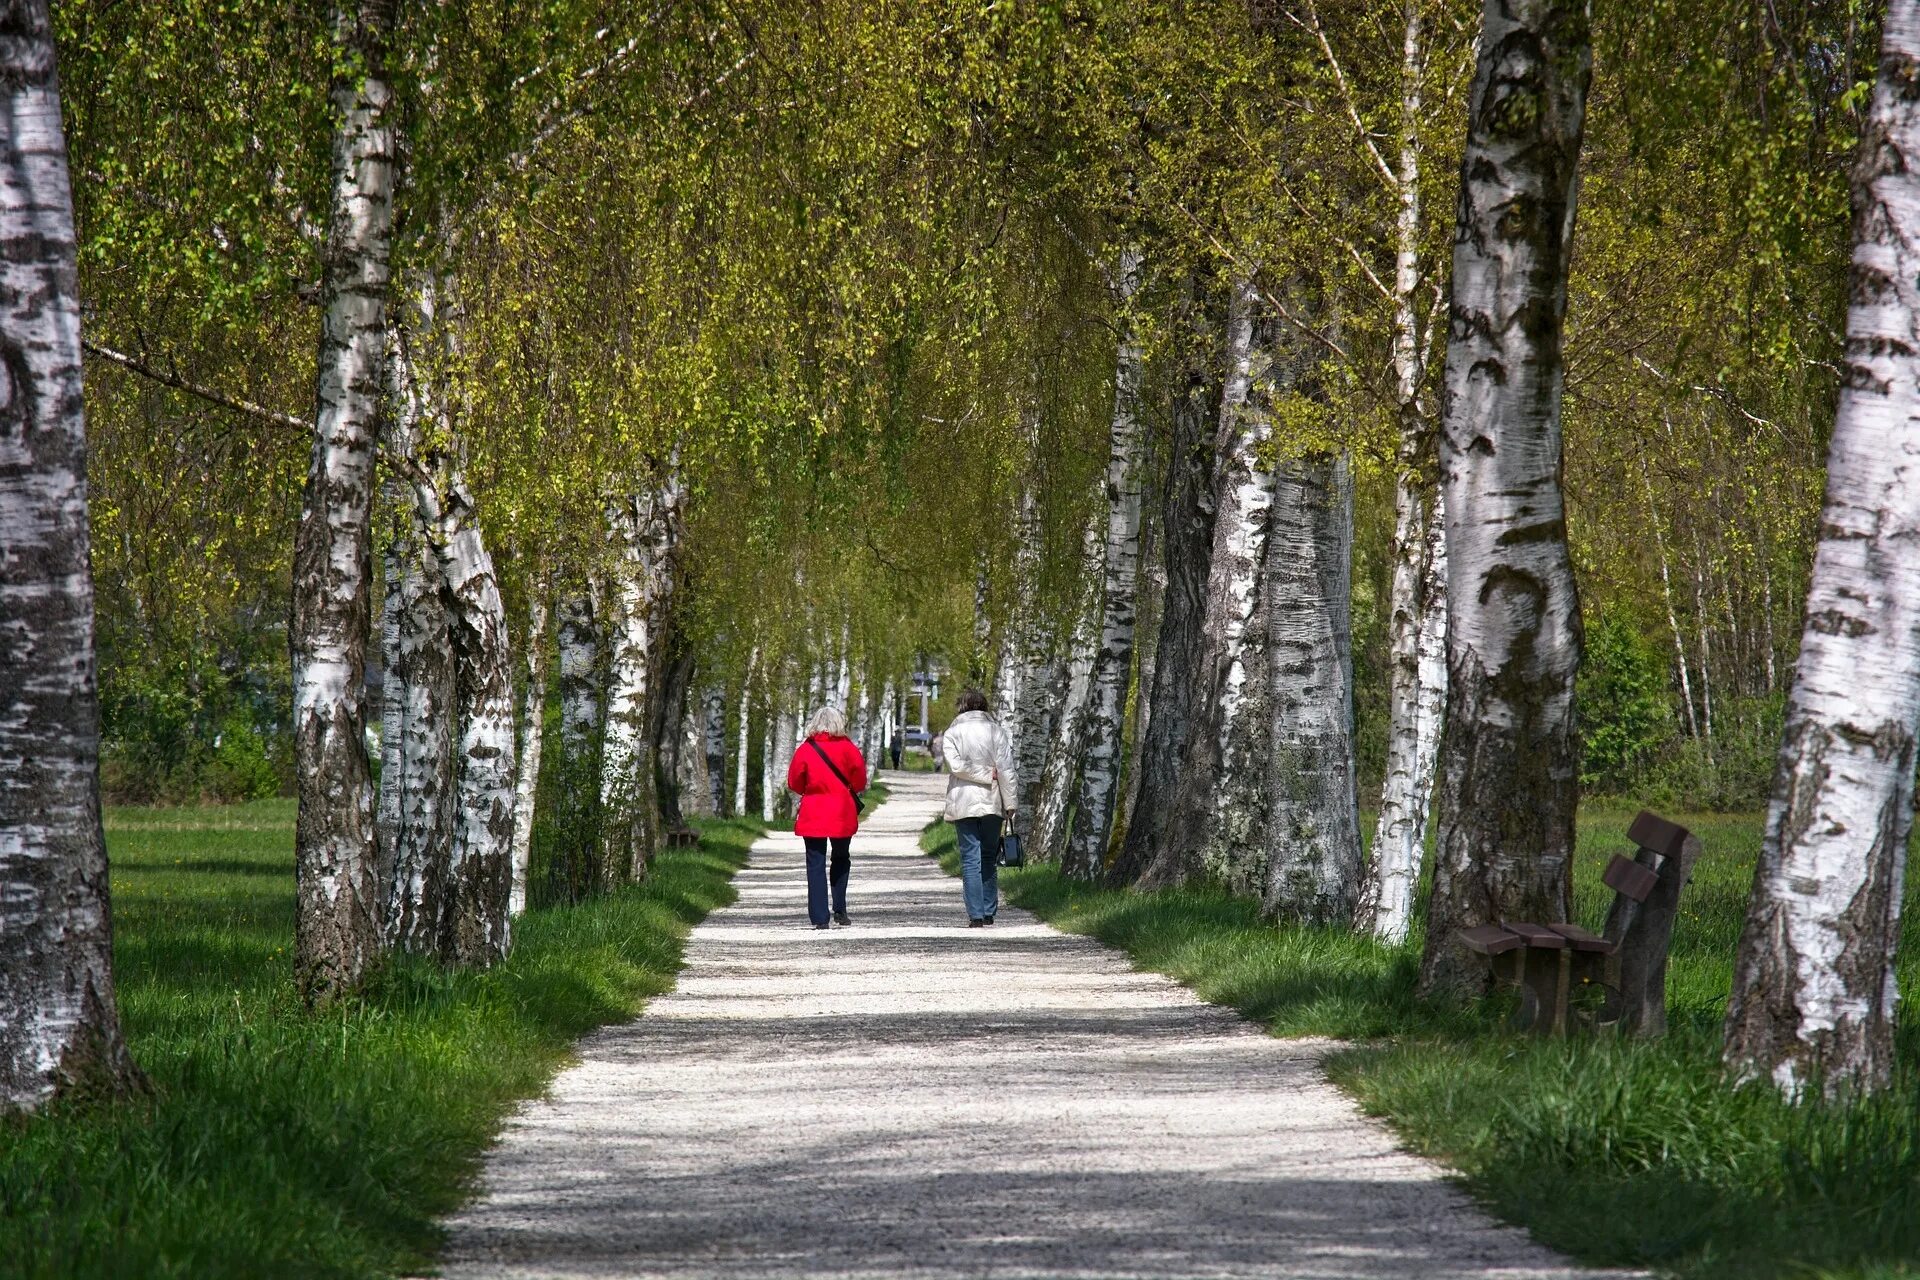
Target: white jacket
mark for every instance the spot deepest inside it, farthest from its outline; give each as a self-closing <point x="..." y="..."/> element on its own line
<point x="978" y="751"/>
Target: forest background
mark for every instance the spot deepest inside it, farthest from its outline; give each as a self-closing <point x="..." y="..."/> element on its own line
<point x="654" y="274"/>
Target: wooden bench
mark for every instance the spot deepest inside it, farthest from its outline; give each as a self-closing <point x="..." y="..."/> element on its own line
<point x="1550" y="963"/>
<point x="682" y="838"/>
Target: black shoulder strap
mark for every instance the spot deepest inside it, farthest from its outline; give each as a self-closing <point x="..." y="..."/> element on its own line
<point x="817" y="750"/>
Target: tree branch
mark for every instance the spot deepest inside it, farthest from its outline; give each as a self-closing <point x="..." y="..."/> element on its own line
<point x="167" y="379"/>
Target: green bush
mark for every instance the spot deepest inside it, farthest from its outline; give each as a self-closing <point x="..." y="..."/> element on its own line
<point x="1625" y="716"/>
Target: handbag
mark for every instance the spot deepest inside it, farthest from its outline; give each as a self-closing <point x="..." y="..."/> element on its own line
<point x="1013" y="852"/>
<point x="859" y="805"/>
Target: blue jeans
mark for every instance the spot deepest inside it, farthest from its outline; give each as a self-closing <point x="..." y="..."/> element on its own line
<point x="817" y="875"/>
<point x="980" y="864"/>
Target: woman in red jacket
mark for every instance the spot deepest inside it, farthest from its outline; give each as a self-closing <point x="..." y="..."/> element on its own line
<point x="827" y="773"/>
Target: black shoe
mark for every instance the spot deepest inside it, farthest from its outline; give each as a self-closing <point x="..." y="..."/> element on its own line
<point x="989" y="919"/>
<point x="842" y="919"/>
<point x="820" y="926"/>
<point x="976" y="924"/>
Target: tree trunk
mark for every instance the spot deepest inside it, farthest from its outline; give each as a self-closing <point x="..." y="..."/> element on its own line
<point x="417" y="800"/>
<point x="746" y="730"/>
<point x="1417" y="709"/>
<point x="475" y="924"/>
<point x="1173" y="684"/>
<point x="1025" y="695"/>
<point x="1814" y="989"/>
<point x="1094" y="798"/>
<point x="786" y="739"/>
<point x="713" y="747"/>
<point x="769" y="752"/>
<point x="1417" y="612"/>
<point x="533" y="715"/>
<point x="669" y="728"/>
<point x="1219" y="801"/>
<point x="337" y="934"/>
<point x="583" y="683"/>
<point x="60" y="1031"/>
<point x="1510" y="761"/>
<point x="648" y="528"/>
<point x="1313" y="860"/>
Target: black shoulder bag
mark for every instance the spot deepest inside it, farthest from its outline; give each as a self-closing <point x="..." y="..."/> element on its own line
<point x="859" y="805"/>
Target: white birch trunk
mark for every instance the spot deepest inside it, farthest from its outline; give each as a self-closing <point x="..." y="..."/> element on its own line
<point x="1220" y="808"/>
<point x="746" y="730"/>
<point x="337" y="934"/>
<point x="1095" y="797"/>
<point x="1510" y="761"/>
<point x="1025" y="697"/>
<point x="1313" y="861"/>
<point x="417" y="801"/>
<point x="476" y="924"/>
<point x="1814" y="990"/>
<point x="1417" y="610"/>
<point x="647" y="526"/>
<point x="533" y="716"/>
<point x="786" y="739"/>
<point x="1418" y="709"/>
<point x="1046" y="833"/>
<point x="59" y="1022"/>
<point x="770" y="785"/>
<point x="713" y="741"/>
<point x="581" y="644"/>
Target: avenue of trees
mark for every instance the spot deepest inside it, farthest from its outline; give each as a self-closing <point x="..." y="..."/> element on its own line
<point x="503" y="423"/>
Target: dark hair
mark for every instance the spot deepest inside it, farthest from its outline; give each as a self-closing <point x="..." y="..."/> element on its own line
<point x="971" y="699"/>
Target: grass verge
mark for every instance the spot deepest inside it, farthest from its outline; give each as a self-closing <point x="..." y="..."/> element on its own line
<point x="282" y="1142"/>
<point x="1618" y="1153"/>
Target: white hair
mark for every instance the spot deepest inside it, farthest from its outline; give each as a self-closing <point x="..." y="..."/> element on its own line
<point x="829" y="720"/>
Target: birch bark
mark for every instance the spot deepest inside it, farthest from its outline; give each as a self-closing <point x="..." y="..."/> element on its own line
<point x="581" y="637"/>
<point x="60" y="1030"/>
<point x="1510" y="762"/>
<point x="533" y="715"/>
<point x="475" y="923"/>
<point x="1417" y="609"/>
<point x="1313" y="860"/>
<point x="1172" y="678"/>
<point x="648" y="528"/>
<point x="1099" y="763"/>
<point x="746" y="730"/>
<point x="417" y="801"/>
<point x="1025" y="696"/>
<point x="713" y="746"/>
<point x="1814" y="989"/>
<point x="337" y="934"/>
<point x="1219" y="803"/>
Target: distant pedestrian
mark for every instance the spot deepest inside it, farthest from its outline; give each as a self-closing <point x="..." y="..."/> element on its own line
<point x="981" y="794"/>
<point x="899" y="733"/>
<point x="828" y="773"/>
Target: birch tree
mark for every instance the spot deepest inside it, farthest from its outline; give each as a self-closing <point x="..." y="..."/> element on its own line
<point x="416" y="802"/>
<point x="1221" y="802"/>
<point x="337" y="935"/>
<point x="60" y="1030"/>
<point x="1509" y="764"/>
<point x="528" y="749"/>
<point x="1815" y="989"/>
<point x="1098" y="790"/>
<point x="581" y="644"/>
<point x="1172" y="684"/>
<point x="1417" y="609"/>
<point x="1313" y="858"/>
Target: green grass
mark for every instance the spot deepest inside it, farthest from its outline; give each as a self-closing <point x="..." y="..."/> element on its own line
<point x="1634" y="1153"/>
<point x="281" y="1142"/>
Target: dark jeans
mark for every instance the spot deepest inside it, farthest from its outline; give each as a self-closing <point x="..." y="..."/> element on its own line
<point x="979" y="841"/>
<point x="817" y="875"/>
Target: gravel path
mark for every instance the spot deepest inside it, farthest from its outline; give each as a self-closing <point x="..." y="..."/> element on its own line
<point x="911" y="1098"/>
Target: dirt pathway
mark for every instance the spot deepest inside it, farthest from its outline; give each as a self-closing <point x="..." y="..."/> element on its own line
<point x="911" y="1098"/>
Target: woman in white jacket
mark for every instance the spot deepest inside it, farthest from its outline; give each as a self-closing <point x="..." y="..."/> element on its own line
<point x="981" y="793"/>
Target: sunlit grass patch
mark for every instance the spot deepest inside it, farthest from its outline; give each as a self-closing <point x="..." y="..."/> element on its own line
<point x="1620" y="1153"/>
<point x="282" y="1142"/>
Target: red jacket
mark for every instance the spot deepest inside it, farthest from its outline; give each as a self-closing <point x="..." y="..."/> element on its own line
<point x="826" y="807"/>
